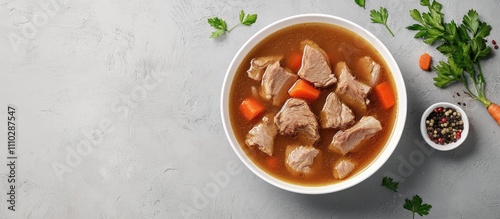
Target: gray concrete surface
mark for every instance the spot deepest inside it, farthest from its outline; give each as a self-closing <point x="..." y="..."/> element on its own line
<point x="117" y="108"/>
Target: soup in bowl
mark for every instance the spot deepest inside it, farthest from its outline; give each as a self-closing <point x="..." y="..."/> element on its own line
<point x="313" y="104"/>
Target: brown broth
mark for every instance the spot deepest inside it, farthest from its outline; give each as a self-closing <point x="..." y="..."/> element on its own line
<point x="330" y="38"/>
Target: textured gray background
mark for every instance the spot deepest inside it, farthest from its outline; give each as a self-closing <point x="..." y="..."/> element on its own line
<point x="80" y="65"/>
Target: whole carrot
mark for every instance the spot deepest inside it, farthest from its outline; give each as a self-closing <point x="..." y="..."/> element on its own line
<point x="464" y="49"/>
<point x="494" y="110"/>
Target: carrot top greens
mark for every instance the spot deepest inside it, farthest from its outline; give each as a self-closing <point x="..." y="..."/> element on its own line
<point x="463" y="44"/>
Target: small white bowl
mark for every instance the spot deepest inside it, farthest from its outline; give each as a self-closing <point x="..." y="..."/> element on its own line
<point x="450" y="146"/>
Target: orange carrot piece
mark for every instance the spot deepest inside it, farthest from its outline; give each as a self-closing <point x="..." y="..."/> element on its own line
<point x="302" y="89"/>
<point x="294" y="61"/>
<point x="251" y="108"/>
<point x="385" y="94"/>
<point x="425" y="61"/>
<point x="272" y="162"/>
<point x="494" y="110"/>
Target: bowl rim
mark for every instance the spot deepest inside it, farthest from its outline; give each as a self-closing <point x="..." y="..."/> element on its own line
<point x="376" y="163"/>
<point x="446" y="147"/>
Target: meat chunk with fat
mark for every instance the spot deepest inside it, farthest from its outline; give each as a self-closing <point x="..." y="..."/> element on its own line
<point x="343" y="169"/>
<point x="300" y="159"/>
<point x="275" y="83"/>
<point x="349" y="87"/>
<point x="258" y="66"/>
<point x="335" y="114"/>
<point x="315" y="66"/>
<point x="346" y="141"/>
<point x="296" y="119"/>
<point x="369" y="69"/>
<point x="262" y="135"/>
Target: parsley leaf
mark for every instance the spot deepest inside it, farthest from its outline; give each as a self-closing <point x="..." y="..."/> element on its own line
<point x="380" y="17"/>
<point x="221" y="26"/>
<point x="217" y="33"/>
<point x="217" y="23"/>
<point x="389" y="183"/>
<point x="242" y="15"/>
<point x="471" y="21"/>
<point x="249" y="19"/>
<point x="415" y="206"/>
<point x="415" y="14"/>
<point x="448" y="72"/>
<point x="361" y="3"/>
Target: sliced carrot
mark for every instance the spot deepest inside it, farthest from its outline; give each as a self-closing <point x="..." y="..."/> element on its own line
<point x="272" y="162"/>
<point x="251" y="108"/>
<point x="425" y="61"/>
<point x="302" y="89"/>
<point x="494" y="110"/>
<point x="385" y="94"/>
<point x="294" y="61"/>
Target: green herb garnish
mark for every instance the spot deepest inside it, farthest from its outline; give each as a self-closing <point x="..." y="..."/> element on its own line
<point x="464" y="45"/>
<point x="248" y="20"/>
<point x="218" y="24"/>
<point x="389" y="183"/>
<point x="361" y="3"/>
<point x="221" y="26"/>
<point x="415" y="205"/>
<point x="381" y="18"/>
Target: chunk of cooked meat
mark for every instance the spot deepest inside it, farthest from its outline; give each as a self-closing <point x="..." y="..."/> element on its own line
<point x="349" y="87"/>
<point x="347" y="51"/>
<point x="335" y="114"/>
<point x="262" y="135"/>
<point x="369" y="69"/>
<point x="342" y="169"/>
<point x="296" y="118"/>
<point x="345" y="141"/>
<point x="316" y="67"/>
<point x="259" y="64"/>
<point x="300" y="159"/>
<point x="275" y="83"/>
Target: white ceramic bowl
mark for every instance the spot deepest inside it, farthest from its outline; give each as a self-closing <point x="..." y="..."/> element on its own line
<point x="446" y="147"/>
<point x="398" y="124"/>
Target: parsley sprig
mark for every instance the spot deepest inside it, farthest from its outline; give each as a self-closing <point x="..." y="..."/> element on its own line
<point x="463" y="44"/>
<point x="389" y="183"/>
<point x="416" y="206"/>
<point x="381" y="18"/>
<point x="221" y="25"/>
